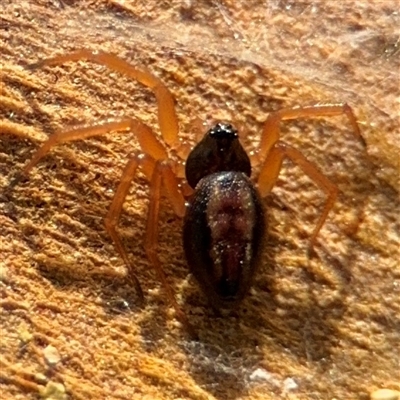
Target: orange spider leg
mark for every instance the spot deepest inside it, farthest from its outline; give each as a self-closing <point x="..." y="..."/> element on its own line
<point x="114" y="212"/>
<point x="271" y="152"/>
<point x="167" y="118"/>
<point x="270" y="171"/>
<point x="162" y="173"/>
<point x="147" y="140"/>
<point x="271" y="131"/>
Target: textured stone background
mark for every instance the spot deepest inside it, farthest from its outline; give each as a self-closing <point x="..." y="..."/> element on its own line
<point x="320" y="328"/>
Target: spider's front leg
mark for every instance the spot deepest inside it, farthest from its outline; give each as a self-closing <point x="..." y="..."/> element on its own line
<point x="272" y="151"/>
<point x="167" y="118"/>
<point x="149" y="143"/>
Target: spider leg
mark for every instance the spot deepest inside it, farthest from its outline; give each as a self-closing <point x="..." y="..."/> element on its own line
<point x="270" y="171"/>
<point x="147" y="139"/>
<point x="271" y="130"/>
<point x="114" y="213"/>
<point x="167" y="118"/>
<point x="163" y="174"/>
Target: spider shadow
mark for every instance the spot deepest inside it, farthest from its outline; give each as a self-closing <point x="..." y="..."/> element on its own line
<point x="74" y="275"/>
<point x="233" y="347"/>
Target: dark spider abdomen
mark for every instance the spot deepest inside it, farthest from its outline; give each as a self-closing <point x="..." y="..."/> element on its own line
<point x="222" y="236"/>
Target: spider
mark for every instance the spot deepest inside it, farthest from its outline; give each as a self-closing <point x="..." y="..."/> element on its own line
<point x="224" y="224"/>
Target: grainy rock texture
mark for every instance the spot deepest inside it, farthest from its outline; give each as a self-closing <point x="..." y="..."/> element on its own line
<point x="312" y="328"/>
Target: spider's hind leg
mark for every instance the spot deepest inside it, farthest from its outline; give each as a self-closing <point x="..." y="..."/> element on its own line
<point x="163" y="175"/>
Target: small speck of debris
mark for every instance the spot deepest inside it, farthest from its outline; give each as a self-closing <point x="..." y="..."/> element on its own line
<point x="289" y="384"/>
<point x="51" y="355"/>
<point x="118" y="306"/>
<point x="53" y="391"/>
<point x="385" y="394"/>
<point x="4" y="274"/>
<point x="260" y="375"/>
<point x="25" y="336"/>
<point x="40" y="378"/>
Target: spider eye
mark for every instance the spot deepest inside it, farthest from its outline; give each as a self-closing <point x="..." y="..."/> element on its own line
<point x="223" y="131"/>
